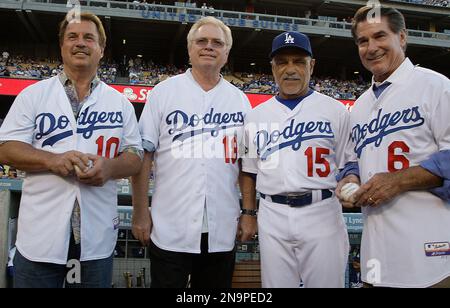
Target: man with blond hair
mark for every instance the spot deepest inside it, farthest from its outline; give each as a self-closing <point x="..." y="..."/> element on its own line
<point x="191" y="126"/>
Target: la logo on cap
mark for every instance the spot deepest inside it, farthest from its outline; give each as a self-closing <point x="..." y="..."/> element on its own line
<point x="289" y="39"/>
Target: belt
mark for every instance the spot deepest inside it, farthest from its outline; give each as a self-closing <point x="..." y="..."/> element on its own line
<point x="297" y="200"/>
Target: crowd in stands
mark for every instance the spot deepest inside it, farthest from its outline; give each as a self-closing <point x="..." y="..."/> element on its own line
<point x="258" y="83"/>
<point x="339" y="89"/>
<point x="189" y="3"/>
<point x="152" y="74"/>
<point x="147" y="73"/>
<point x="21" y="67"/>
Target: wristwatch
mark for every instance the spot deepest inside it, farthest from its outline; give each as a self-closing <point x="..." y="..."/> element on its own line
<point x="249" y="212"/>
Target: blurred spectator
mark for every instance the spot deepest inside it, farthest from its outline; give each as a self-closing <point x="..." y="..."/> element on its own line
<point x="142" y="72"/>
<point x="5" y="56"/>
<point x="442" y="3"/>
<point x="136" y="4"/>
<point x="4" y="72"/>
<point x="20" y="67"/>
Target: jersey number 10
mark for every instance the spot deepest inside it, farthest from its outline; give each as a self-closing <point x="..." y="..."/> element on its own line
<point x="109" y="144"/>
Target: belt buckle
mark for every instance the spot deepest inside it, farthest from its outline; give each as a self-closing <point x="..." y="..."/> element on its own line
<point x="296" y="195"/>
<point x="290" y="198"/>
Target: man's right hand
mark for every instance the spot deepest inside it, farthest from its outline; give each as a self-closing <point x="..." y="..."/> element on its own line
<point x="142" y="226"/>
<point x="63" y="164"/>
<point x="351" y="178"/>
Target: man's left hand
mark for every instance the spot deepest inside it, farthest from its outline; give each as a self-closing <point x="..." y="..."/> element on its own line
<point x="247" y="228"/>
<point x="381" y="188"/>
<point x="99" y="174"/>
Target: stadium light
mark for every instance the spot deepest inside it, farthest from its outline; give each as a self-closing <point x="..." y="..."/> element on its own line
<point x="252" y="64"/>
<point x="356" y="73"/>
<point x="124" y="41"/>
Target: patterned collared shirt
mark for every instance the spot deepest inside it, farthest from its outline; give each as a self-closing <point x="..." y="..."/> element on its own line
<point x="71" y="92"/>
<point x="76" y="103"/>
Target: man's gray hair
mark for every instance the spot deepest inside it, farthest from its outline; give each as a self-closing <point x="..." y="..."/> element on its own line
<point x="212" y="21"/>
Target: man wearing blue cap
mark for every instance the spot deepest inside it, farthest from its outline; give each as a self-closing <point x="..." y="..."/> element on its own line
<point x="295" y="145"/>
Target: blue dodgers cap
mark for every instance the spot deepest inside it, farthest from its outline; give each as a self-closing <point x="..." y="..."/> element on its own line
<point x="291" y="39"/>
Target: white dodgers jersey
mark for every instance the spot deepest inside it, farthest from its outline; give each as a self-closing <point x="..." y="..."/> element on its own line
<point x="42" y="117"/>
<point x="196" y="134"/>
<point x="299" y="150"/>
<point x="405" y="241"/>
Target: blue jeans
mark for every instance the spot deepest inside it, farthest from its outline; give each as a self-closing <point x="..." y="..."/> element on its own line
<point x="94" y="274"/>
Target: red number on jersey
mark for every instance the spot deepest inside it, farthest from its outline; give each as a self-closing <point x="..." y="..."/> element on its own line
<point x="320" y="160"/>
<point x="230" y="149"/>
<point x="111" y="141"/>
<point x="397" y="158"/>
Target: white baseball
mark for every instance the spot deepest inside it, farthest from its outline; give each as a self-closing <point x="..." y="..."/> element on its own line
<point x="348" y="190"/>
<point x="78" y="170"/>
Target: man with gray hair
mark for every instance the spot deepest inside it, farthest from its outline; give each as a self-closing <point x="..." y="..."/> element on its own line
<point x="400" y="149"/>
<point x="191" y="127"/>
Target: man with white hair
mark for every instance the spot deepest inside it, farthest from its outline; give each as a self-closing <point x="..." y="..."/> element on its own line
<point x="191" y="126"/>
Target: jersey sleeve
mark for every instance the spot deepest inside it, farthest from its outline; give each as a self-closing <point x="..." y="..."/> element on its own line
<point x="19" y="123"/>
<point x="440" y="124"/>
<point x="343" y="145"/>
<point x="349" y="155"/>
<point x="249" y="157"/>
<point x="131" y="137"/>
<point x="151" y="117"/>
<point x="437" y="163"/>
<point x="246" y="109"/>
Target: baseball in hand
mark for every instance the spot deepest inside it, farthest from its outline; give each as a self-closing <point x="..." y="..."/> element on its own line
<point x="78" y="170"/>
<point x="348" y="190"/>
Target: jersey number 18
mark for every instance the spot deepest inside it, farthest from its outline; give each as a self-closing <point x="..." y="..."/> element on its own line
<point x="230" y="149"/>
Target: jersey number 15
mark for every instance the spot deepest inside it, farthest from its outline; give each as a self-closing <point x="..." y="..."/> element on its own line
<point x="318" y="159"/>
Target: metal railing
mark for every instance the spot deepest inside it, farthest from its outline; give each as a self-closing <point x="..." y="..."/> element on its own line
<point x="421" y="2"/>
<point x="238" y="19"/>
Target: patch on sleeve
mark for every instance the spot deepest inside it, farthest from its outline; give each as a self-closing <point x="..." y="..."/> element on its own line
<point x="437" y="249"/>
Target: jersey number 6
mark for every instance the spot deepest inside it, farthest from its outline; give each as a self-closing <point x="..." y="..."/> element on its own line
<point x="319" y="160"/>
<point x="394" y="158"/>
